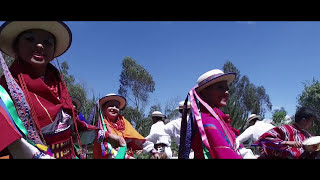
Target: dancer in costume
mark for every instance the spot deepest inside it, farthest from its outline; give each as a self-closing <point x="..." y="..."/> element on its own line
<point x="208" y="131"/>
<point x="112" y="121"/>
<point x="173" y="127"/>
<point x="285" y="142"/>
<point x="45" y="124"/>
<point x="77" y="106"/>
<point x="161" y="140"/>
<point x="256" y="127"/>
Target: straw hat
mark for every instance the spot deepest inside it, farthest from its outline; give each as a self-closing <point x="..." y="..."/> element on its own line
<point x="113" y="96"/>
<point x="11" y="29"/>
<point x="156" y="114"/>
<point x="252" y="117"/>
<point x="312" y="144"/>
<point x="214" y="76"/>
<point x="77" y="102"/>
<point x="181" y="104"/>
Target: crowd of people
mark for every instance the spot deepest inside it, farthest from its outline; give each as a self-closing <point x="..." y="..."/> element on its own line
<point x="40" y="120"/>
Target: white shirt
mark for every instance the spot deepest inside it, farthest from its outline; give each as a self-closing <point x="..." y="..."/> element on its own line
<point x="255" y="131"/>
<point x="173" y="128"/>
<point x="157" y="134"/>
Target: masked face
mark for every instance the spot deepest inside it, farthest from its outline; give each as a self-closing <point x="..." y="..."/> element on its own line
<point x="159" y="148"/>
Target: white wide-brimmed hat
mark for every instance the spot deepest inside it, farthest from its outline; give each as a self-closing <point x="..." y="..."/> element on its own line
<point x="10" y="30"/>
<point x="77" y="102"/>
<point x="157" y="114"/>
<point x="113" y="96"/>
<point x="181" y="104"/>
<point x="214" y="76"/>
<point x="312" y="143"/>
<point x="252" y="117"/>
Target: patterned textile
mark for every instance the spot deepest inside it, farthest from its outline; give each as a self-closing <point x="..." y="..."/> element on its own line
<point x="221" y="146"/>
<point x="133" y="138"/>
<point x="183" y="133"/>
<point x="270" y="142"/>
<point x="61" y="145"/>
<point x="23" y="108"/>
<point x="46" y="97"/>
<point x="214" y="137"/>
<point x="187" y="133"/>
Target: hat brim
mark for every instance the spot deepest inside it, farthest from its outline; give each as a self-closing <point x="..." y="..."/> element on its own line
<point x="11" y="29"/>
<point x="77" y="102"/>
<point x="181" y="107"/>
<point x="313" y="140"/>
<point x="118" y="98"/>
<point x="253" y="117"/>
<point x="158" y="115"/>
<point x="229" y="77"/>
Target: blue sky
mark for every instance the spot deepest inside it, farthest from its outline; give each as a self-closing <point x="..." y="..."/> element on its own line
<point x="279" y="55"/>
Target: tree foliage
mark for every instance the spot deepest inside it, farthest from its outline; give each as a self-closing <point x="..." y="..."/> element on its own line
<point x="245" y="98"/>
<point x="310" y="98"/>
<point x="170" y="111"/>
<point x="77" y="90"/>
<point x="279" y="116"/>
<point x="135" y="85"/>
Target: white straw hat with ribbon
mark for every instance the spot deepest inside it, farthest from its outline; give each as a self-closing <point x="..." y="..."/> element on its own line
<point x="157" y="114"/>
<point x="181" y="104"/>
<point x="252" y="117"/>
<point x="10" y="30"/>
<point x="113" y="96"/>
<point x="214" y="76"/>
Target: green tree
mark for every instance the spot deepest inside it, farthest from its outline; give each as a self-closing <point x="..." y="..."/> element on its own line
<point x="310" y="98"/>
<point x="279" y="116"/>
<point x="244" y="98"/>
<point x="170" y="111"/>
<point x="9" y="60"/>
<point x="153" y="108"/>
<point x="77" y="90"/>
<point x="135" y="85"/>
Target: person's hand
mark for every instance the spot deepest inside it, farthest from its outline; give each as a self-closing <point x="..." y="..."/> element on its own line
<point x="116" y="141"/>
<point x="295" y="144"/>
<point x="155" y="156"/>
<point x="138" y="152"/>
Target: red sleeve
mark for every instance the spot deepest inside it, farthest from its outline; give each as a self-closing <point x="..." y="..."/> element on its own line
<point x="270" y="143"/>
<point x="8" y="132"/>
<point x="82" y="126"/>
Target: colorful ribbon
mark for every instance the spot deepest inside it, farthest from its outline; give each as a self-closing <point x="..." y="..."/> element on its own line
<point x="121" y="154"/>
<point x="22" y="118"/>
<point x="12" y="111"/>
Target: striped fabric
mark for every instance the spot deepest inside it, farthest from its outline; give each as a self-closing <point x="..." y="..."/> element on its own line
<point x="22" y="106"/>
<point x="270" y="142"/>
